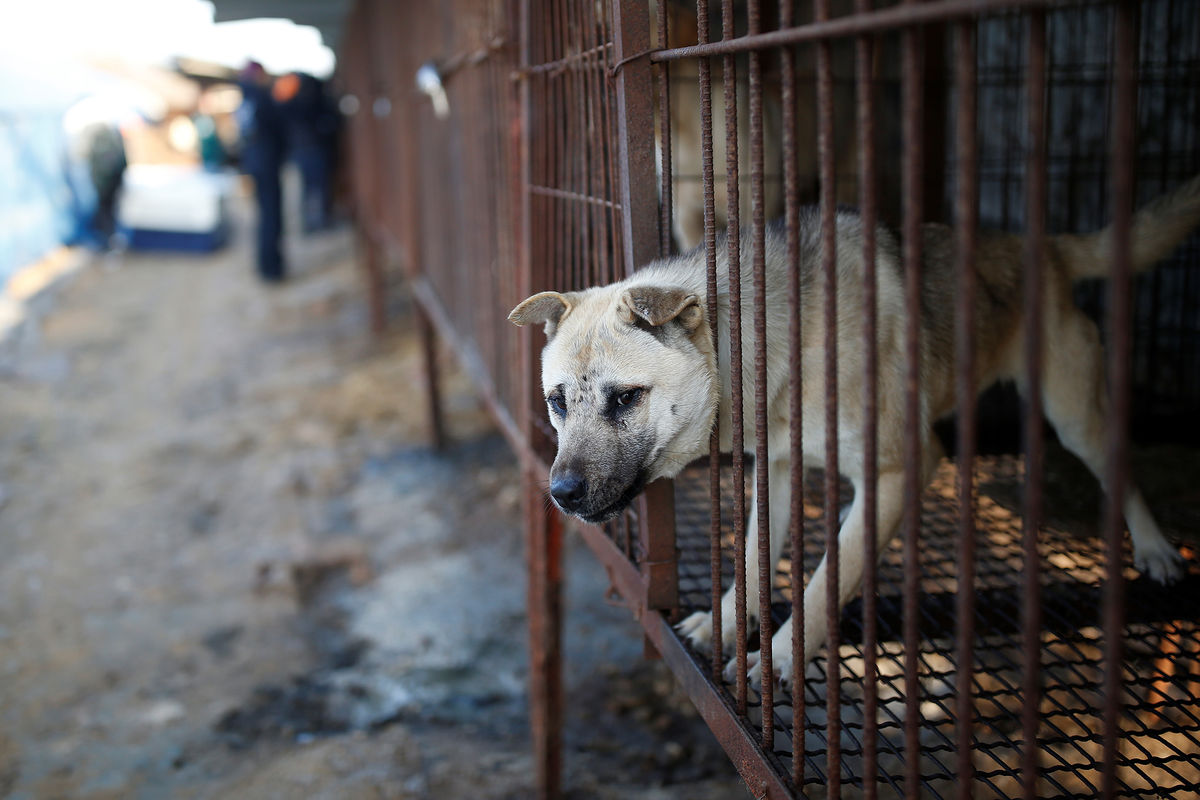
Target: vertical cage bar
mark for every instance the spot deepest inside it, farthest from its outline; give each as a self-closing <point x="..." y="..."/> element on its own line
<point x="766" y="567"/>
<point x="1119" y="319"/>
<point x="544" y="543"/>
<point x="1031" y="614"/>
<point x="828" y="180"/>
<point x="913" y="165"/>
<point x="612" y="247"/>
<point x="733" y="242"/>
<point x="635" y="134"/>
<point x="541" y="525"/>
<point x="865" y="68"/>
<point x="555" y="141"/>
<point x="967" y="211"/>
<point x="594" y="137"/>
<point x="664" y="116"/>
<point x="615" y="231"/>
<point x="576" y="146"/>
<point x="639" y="206"/>
<point x="429" y="364"/>
<point x="795" y="433"/>
<point x="711" y="299"/>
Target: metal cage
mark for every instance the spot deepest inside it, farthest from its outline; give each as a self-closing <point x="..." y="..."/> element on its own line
<point x="1001" y="647"/>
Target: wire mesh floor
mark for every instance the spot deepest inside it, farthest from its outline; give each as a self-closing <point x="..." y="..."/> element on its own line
<point x="1159" y="755"/>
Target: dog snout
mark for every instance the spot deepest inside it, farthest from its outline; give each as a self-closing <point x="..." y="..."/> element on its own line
<point x="568" y="490"/>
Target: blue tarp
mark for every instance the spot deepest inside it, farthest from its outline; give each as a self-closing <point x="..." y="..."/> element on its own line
<point x="43" y="195"/>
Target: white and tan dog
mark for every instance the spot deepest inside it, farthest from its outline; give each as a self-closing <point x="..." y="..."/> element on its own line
<point x="634" y="386"/>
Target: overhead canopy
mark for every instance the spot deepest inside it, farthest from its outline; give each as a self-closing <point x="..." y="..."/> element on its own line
<point x="327" y="16"/>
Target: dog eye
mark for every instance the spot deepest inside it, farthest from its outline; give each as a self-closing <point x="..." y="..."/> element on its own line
<point x="628" y="397"/>
<point x="558" y="403"/>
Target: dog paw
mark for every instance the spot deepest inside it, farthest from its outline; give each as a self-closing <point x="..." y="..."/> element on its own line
<point x="781" y="666"/>
<point x="1163" y="563"/>
<point x="731" y="670"/>
<point x="697" y="629"/>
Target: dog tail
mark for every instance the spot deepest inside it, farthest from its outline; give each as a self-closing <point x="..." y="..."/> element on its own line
<point x="1157" y="230"/>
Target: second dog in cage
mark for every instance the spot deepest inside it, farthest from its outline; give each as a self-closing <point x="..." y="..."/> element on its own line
<point x="634" y="385"/>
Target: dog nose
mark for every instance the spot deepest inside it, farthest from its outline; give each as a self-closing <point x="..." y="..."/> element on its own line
<point x="568" y="491"/>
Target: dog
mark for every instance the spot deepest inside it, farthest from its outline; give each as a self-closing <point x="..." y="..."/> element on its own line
<point x="634" y="379"/>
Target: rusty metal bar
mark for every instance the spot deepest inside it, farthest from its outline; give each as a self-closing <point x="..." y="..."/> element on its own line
<point x="727" y="724"/>
<point x="577" y="145"/>
<point x="711" y="299"/>
<point x="592" y="65"/>
<point x="828" y="180"/>
<point x="795" y="405"/>
<point x="886" y="20"/>
<point x="544" y="549"/>
<point x="865" y="70"/>
<point x="1119" y="318"/>
<point x="1031" y="612"/>
<point x="664" y="116"/>
<point x="617" y="265"/>
<point x="583" y="156"/>
<point x="561" y="233"/>
<point x="913" y="164"/>
<point x="433" y="399"/>
<point x="966" y="232"/>
<point x="545" y="673"/>
<point x="766" y="568"/>
<point x="635" y="138"/>
<point x="606" y="182"/>
<point x="733" y="242"/>
<point x="578" y="60"/>
<point x="635" y="135"/>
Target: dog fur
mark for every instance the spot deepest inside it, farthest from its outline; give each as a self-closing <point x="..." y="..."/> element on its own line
<point x="634" y="385"/>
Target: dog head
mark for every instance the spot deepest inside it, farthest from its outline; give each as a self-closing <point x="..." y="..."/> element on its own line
<point x="628" y="373"/>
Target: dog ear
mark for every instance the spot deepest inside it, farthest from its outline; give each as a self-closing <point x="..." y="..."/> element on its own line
<point x="658" y="305"/>
<point x="547" y="307"/>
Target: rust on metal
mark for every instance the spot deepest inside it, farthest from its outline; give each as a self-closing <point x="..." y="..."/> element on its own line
<point x="711" y="298"/>
<point x="1035" y="225"/>
<point x="795" y="355"/>
<point x="544" y="603"/>
<point x="766" y="569"/>
<point x="966" y="236"/>
<point x="733" y="238"/>
<point x="663" y="77"/>
<point x="547" y="160"/>
<point x="913" y="164"/>
<point x="1119" y="319"/>
<point x="865" y="68"/>
<point x="833" y="610"/>
<point x="892" y="18"/>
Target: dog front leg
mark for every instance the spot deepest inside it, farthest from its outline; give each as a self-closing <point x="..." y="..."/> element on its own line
<point x="890" y="505"/>
<point x="697" y="628"/>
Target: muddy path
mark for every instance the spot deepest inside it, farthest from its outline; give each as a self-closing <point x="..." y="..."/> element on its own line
<point x="231" y="567"/>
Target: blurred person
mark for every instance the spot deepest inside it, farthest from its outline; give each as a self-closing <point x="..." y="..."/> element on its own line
<point x="208" y="143"/>
<point x="98" y="149"/>
<point x="262" y="148"/>
<point x="106" y="164"/>
<point x="310" y="125"/>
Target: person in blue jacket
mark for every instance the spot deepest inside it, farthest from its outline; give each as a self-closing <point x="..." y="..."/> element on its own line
<point x="262" y="151"/>
<point x="310" y="126"/>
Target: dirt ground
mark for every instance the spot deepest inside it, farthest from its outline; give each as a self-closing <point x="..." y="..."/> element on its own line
<point x="231" y="567"/>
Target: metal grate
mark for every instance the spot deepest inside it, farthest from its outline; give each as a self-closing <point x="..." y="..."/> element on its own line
<point x="1160" y="673"/>
<point x="1016" y="114"/>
